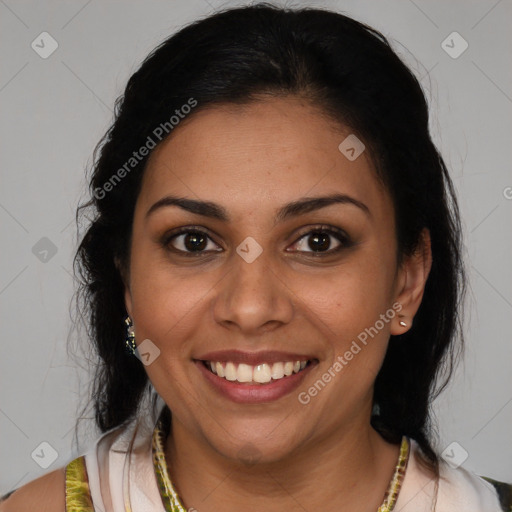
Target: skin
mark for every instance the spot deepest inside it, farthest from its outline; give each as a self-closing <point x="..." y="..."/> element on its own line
<point x="45" y="494"/>
<point x="252" y="160"/>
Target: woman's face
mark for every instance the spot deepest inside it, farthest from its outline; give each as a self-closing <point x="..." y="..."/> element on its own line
<point x="264" y="284"/>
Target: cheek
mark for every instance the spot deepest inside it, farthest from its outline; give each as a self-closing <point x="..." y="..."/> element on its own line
<point x="166" y="300"/>
<point x="351" y="306"/>
<point x="166" y="306"/>
<point x="350" y="297"/>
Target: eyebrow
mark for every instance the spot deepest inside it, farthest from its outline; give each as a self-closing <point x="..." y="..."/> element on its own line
<point x="293" y="209"/>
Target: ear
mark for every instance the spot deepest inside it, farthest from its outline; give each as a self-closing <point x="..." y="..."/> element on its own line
<point x="411" y="281"/>
<point x="126" y="281"/>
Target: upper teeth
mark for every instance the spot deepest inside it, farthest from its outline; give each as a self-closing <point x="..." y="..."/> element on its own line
<point x="261" y="373"/>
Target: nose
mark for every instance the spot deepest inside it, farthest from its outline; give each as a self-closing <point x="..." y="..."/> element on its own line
<point x="253" y="297"/>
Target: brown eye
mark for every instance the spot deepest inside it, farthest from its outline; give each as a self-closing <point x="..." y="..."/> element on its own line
<point x="321" y="240"/>
<point x="189" y="241"/>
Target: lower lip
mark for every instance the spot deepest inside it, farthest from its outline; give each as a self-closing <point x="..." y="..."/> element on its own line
<point x="254" y="393"/>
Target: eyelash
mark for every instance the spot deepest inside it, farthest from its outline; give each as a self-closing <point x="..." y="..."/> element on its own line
<point x="340" y="235"/>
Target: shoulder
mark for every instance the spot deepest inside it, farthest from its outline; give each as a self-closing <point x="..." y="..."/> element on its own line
<point x="45" y="494"/>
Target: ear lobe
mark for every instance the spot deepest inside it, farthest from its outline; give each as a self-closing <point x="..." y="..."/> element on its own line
<point x="125" y="279"/>
<point x="128" y="300"/>
<point x="413" y="278"/>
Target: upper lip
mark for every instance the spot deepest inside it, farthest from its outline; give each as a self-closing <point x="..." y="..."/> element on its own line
<point x="252" y="358"/>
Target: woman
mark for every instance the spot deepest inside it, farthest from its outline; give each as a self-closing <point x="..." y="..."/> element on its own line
<point x="274" y="262"/>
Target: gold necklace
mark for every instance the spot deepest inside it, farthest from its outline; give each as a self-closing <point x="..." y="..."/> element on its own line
<point x="172" y="502"/>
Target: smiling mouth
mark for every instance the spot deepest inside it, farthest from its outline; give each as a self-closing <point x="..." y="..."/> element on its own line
<point x="264" y="373"/>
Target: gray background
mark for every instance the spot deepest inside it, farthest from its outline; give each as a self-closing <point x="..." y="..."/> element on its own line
<point x="55" y="110"/>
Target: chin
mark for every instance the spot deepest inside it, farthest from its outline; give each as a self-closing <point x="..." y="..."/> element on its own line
<point x="257" y="445"/>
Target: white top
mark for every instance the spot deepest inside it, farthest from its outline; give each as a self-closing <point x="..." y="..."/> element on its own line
<point x="123" y="479"/>
<point x="120" y="478"/>
<point x="459" y="489"/>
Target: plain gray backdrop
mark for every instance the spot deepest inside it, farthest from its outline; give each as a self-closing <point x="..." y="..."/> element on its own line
<point x="54" y="111"/>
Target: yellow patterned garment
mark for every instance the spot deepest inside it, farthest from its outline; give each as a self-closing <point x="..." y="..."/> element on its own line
<point x="78" y="496"/>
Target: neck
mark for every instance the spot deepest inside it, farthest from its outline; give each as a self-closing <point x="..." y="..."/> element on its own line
<point x="331" y="474"/>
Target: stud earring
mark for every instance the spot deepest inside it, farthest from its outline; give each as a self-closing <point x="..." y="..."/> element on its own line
<point x="130" y="336"/>
<point x="402" y="323"/>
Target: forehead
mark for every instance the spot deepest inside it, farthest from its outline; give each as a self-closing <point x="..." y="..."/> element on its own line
<point x="255" y="157"/>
